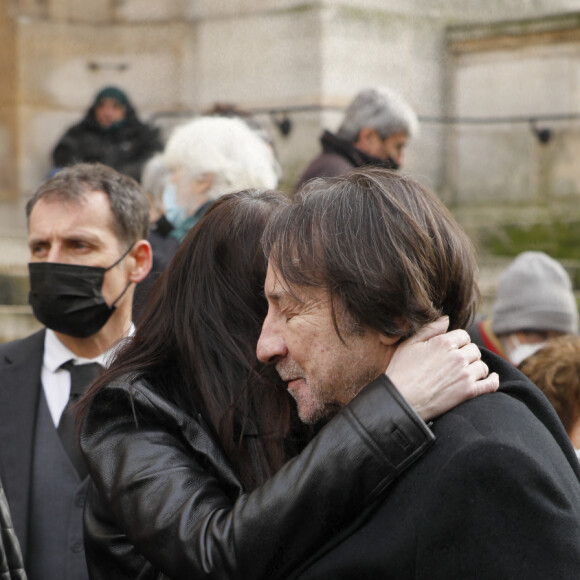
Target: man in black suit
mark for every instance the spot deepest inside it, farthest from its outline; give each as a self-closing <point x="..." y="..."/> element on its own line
<point x="356" y="264"/>
<point x="87" y="237"/>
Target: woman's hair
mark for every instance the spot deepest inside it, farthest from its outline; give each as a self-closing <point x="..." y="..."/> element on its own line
<point x="196" y="341"/>
<point x="555" y="369"/>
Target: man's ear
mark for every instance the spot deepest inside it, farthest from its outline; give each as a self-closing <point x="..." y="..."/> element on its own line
<point x="388" y="340"/>
<point x="142" y="260"/>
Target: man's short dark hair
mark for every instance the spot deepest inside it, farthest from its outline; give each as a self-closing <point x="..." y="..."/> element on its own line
<point x="385" y="248"/>
<point x="129" y="204"/>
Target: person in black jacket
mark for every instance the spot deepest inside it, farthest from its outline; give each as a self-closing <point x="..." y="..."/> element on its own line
<point x="111" y="134"/>
<point x="11" y="565"/>
<point x="356" y="264"/>
<point x="186" y="436"/>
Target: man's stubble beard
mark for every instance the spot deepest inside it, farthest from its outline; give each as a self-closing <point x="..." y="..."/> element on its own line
<point x="313" y="402"/>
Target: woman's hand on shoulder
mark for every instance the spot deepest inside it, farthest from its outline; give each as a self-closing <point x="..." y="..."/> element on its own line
<point x="437" y="370"/>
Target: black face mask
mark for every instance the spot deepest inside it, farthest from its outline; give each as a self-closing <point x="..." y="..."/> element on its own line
<point x="68" y="298"/>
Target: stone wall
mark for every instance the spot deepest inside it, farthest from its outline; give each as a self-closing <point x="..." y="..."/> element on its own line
<point x="8" y="105"/>
<point x="449" y="58"/>
<point x="143" y="59"/>
<point x="515" y="71"/>
<point x="183" y="56"/>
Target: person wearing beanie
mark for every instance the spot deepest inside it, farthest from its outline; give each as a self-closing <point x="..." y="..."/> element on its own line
<point x="534" y="303"/>
<point x="110" y="133"/>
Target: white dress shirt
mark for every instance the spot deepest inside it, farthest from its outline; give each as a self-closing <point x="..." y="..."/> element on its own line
<point x="56" y="380"/>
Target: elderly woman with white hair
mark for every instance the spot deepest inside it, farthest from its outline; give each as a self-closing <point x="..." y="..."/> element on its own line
<point x="204" y="159"/>
<point x="209" y="157"/>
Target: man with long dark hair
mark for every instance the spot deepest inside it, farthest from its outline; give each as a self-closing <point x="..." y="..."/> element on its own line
<point x="356" y="264"/>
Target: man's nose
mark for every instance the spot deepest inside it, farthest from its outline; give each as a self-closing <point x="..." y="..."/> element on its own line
<point x="271" y="344"/>
<point x="54" y="255"/>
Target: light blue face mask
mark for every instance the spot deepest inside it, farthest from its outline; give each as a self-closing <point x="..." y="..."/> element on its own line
<point x="174" y="213"/>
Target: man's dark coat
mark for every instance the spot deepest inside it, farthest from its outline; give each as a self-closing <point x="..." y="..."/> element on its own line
<point x="498" y="496"/>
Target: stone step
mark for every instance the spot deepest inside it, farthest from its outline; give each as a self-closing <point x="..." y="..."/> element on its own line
<point x="16" y="318"/>
<point x="13" y="253"/>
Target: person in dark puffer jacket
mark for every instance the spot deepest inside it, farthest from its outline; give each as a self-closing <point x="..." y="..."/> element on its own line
<point x="110" y="133"/>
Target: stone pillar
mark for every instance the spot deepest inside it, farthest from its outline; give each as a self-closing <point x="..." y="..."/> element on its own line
<point x="8" y="104"/>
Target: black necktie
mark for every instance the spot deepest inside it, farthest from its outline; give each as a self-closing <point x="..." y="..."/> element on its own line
<point x="81" y="377"/>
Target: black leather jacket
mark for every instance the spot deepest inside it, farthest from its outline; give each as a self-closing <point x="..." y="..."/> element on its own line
<point x="165" y="503"/>
<point x="11" y="566"/>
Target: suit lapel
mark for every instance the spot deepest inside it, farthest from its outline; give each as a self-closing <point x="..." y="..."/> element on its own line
<point x="20" y="386"/>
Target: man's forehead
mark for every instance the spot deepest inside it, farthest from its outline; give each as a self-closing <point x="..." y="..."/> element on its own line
<point x="278" y="289"/>
<point x="274" y="286"/>
<point x="98" y="200"/>
<point x="82" y="196"/>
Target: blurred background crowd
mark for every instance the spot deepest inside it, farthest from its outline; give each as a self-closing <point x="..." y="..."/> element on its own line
<point x="494" y="88"/>
<point x="479" y="102"/>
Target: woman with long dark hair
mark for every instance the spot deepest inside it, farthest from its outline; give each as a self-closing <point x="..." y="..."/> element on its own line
<point x="187" y="437"/>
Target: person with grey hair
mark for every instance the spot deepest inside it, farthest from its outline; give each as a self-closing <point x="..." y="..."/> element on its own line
<point x="209" y="157"/>
<point x="534" y="302"/>
<point x="206" y="157"/>
<point x="374" y="131"/>
<point x="155" y="178"/>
